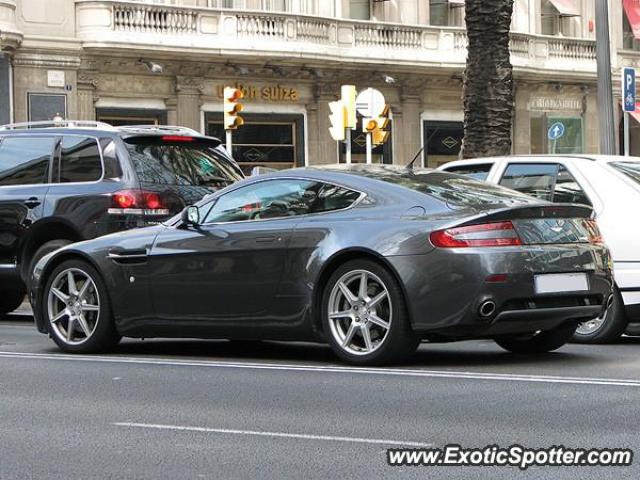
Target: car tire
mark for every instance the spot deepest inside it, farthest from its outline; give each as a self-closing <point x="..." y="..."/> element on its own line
<point x="541" y="342"/>
<point x="375" y="330"/>
<point x="11" y="299"/>
<point x="45" y="249"/>
<point x="606" y="329"/>
<point x="97" y="332"/>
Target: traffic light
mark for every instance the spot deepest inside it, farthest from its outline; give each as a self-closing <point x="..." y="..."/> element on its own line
<point x="232" y="107"/>
<point x="349" y="95"/>
<point x="338" y="119"/>
<point x="377" y="127"/>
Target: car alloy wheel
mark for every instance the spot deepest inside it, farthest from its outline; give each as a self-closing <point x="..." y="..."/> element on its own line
<point x="73" y="304"/>
<point x="360" y="312"/>
<point x="592" y="326"/>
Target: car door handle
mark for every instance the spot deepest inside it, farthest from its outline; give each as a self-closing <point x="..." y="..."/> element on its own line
<point x="32" y="202"/>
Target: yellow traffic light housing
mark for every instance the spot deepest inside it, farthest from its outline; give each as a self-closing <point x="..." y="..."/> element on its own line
<point x="377" y="127"/>
<point x="232" y="107"/>
<point x="338" y="119"/>
<point x="348" y="97"/>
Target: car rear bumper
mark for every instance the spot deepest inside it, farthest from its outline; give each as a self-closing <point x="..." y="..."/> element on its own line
<point x="446" y="289"/>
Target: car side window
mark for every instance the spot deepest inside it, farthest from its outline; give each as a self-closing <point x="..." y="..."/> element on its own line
<point x="568" y="190"/>
<point x="537" y="180"/>
<point x="80" y="160"/>
<point x="477" y="172"/>
<point x="25" y="161"/>
<point x="546" y="181"/>
<point x="279" y="198"/>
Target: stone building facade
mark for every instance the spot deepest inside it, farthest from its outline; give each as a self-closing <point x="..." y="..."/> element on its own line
<point x="132" y="62"/>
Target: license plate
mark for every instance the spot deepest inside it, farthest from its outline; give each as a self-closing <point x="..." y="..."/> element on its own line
<point x="561" y="282"/>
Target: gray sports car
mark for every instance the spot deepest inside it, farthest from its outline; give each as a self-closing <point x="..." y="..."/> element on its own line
<point x="371" y="259"/>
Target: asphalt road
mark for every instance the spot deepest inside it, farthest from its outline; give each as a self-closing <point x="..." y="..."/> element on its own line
<point x="219" y="410"/>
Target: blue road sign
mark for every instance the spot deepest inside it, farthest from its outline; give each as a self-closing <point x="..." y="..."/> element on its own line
<point x="629" y="89"/>
<point x="556" y="131"/>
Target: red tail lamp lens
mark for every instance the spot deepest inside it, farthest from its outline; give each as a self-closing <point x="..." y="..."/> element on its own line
<point x="499" y="234"/>
<point x="124" y="200"/>
<point x="153" y="201"/>
<point x="177" y="138"/>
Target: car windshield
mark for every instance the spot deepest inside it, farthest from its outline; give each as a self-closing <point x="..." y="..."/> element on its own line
<point x="455" y="190"/>
<point x="197" y="163"/>
<point x="630" y="169"/>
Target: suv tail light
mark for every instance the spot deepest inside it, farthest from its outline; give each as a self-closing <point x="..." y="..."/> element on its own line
<point x="500" y="234"/>
<point x="137" y="202"/>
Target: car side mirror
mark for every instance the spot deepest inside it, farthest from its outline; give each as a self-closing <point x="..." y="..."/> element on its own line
<point x="191" y="216"/>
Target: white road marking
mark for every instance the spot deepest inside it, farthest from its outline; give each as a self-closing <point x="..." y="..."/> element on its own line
<point x="302" y="436"/>
<point x="398" y="372"/>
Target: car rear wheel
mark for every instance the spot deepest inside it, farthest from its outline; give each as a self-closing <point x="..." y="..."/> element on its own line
<point x="365" y="316"/>
<point x="77" y="310"/>
<point x="540" y="342"/>
<point x="10" y="299"/>
<point x="607" y="328"/>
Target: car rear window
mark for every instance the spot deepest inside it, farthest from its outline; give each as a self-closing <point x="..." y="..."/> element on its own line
<point x="477" y="172"/>
<point x="180" y="162"/>
<point x="457" y="191"/>
<point x="630" y="169"/>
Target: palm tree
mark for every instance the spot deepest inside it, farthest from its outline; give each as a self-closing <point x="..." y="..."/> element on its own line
<point x="488" y="79"/>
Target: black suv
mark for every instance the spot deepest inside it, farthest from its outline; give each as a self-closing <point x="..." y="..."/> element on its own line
<point x="65" y="182"/>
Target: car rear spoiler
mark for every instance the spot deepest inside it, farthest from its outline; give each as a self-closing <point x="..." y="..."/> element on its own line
<point x="568" y="210"/>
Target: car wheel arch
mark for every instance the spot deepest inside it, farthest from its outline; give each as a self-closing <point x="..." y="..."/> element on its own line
<point x="58" y="260"/>
<point x="331" y="264"/>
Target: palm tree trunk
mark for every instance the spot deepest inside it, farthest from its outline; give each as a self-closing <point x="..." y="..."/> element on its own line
<point x="488" y="79"/>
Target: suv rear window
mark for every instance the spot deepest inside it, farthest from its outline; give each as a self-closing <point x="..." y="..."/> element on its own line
<point x="25" y="160"/>
<point x="630" y="169"/>
<point x="180" y="162"/>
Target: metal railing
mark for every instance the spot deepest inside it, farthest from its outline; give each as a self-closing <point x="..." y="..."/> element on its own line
<point x="58" y="124"/>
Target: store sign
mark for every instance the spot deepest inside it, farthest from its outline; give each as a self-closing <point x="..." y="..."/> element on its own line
<point x="555" y="104"/>
<point x="269" y="93"/>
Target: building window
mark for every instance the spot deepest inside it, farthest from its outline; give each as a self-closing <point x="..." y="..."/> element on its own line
<point x="630" y="40"/>
<point x="571" y="142"/>
<point x="360" y="9"/>
<point x="226" y="4"/>
<point x="556" y="17"/>
<point x="442" y="142"/>
<point x="43" y="106"/>
<point x="446" y="13"/>
<point x="273" y="141"/>
<point x="379" y="154"/>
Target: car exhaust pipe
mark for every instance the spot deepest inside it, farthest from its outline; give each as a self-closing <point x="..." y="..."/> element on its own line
<point x="487" y="309"/>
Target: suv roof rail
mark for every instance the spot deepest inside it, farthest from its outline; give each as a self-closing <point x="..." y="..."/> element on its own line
<point x="58" y="124"/>
<point x="161" y="128"/>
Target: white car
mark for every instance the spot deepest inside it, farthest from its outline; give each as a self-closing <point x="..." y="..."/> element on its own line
<point x="612" y="186"/>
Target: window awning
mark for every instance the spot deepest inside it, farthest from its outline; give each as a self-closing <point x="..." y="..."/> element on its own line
<point x="632" y="9"/>
<point x="566" y="8"/>
<point x="456" y="3"/>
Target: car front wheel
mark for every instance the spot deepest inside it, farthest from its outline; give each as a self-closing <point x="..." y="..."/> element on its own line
<point x="365" y="316"/>
<point x="77" y="310"/>
<point x="539" y="342"/>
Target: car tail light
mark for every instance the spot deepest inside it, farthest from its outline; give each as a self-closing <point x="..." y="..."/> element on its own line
<point x="137" y="202"/>
<point x="501" y="234"/>
<point x="593" y="231"/>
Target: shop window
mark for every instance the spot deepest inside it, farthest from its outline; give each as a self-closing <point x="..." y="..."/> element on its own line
<point x="360" y="9"/>
<point x="264" y="141"/>
<point x="124" y="117"/>
<point x="44" y="106"/>
<point x="572" y="142"/>
<point x="446" y="13"/>
<point x="442" y="142"/>
<point x="379" y="154"/>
